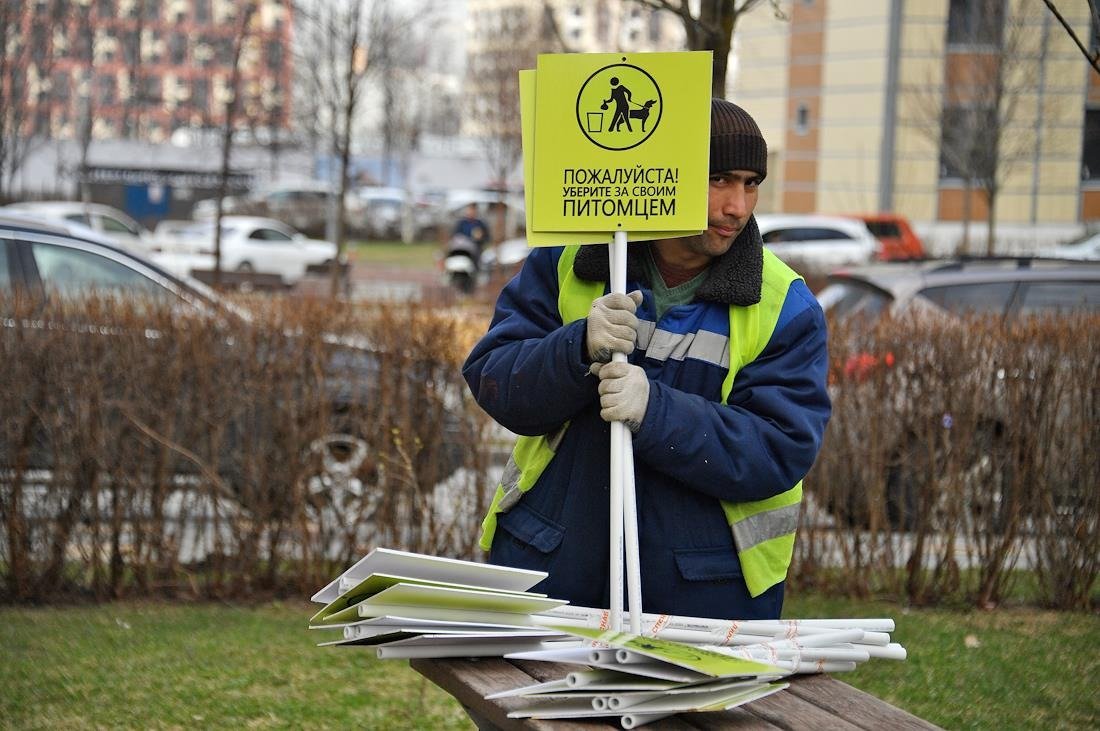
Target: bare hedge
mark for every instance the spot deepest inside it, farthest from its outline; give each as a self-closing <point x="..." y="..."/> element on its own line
<point x="959" y="452"/>
<point x="145" y="452"/>
<point x="148" y="453"/>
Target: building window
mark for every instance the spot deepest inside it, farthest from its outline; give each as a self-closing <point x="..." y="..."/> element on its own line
<point x="968" y="150"/>
<point x="972" y="22"/>
<point x="199" y="92"/>
<point x="1090" y="151"/>
<point x="177" y="48"/>
<point x="151" y="89"/>
<point x="802" y="119"/>
<point x="131" y="47"/>
<point x="105" y="90"/>
<point x="274" y="54"/>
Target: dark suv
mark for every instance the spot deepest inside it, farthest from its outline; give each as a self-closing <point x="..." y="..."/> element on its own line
<point x="1002" y="289"/>
<point x="1007" y="287"/>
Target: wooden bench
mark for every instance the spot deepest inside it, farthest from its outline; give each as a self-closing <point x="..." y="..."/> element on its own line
<point x="813" y="702"/>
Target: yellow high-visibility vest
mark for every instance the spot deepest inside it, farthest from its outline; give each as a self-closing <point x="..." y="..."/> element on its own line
<point x="763" y="530"/>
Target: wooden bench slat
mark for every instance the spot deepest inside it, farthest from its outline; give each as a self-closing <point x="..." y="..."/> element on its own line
<point x="788" y="711"/>
<point x="735" y="718"/>
<point x="812" y="702"/>
<point x="862" y="709"/>
<point x="470" y="680"/>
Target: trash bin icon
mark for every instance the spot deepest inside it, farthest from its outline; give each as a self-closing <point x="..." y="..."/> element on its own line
<point x="595" y="121"/>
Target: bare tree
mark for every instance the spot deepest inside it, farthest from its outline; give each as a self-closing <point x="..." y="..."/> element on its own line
<point x="240" y="35"/>
<point x="975" y="114"/>
<point x="86" y="55"/>
<point x="335" y="44"/>
<point x="511" y="41"/>
<point x="400" y="48"/>
<point x="26" y="69"/>
<point x="1092" y="50"/>
<point x="710" y="25"/>
<point x="134" y="103"/>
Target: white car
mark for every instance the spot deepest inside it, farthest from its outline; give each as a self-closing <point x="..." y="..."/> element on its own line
<point x="818" y="243"/>
<point x="1086" y="247"/>
<point x="123" y="231"/>
<point x="248" y="244"/>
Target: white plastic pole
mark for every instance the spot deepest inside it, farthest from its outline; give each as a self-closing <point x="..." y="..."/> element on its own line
<point x="630" y="520"/>
<point x="624" y="514"/>
<point x="617" y="265"/>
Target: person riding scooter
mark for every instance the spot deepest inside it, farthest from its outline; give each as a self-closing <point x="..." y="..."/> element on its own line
<point x="464" y="249"/>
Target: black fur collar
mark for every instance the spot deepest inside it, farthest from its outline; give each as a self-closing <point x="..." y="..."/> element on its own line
<point x="734" y="278"/>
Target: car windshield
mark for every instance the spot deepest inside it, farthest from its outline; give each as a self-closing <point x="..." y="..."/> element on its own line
<point x="883" y="229"/>
<point x="844" y="300"/>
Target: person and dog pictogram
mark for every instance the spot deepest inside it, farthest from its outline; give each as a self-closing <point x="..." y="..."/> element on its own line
<point x="612" y="94"/>
<point x="621" y="95"/>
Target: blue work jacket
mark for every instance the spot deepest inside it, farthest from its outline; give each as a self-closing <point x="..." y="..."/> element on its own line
<point x="529" y="373"/>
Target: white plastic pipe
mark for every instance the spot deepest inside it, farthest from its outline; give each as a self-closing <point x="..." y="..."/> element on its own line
<point x="624" y="517"/>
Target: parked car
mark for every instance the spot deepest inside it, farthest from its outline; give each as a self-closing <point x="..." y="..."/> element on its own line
<point x="248" y="244"/>
<point x="947" y="290"/>
<point x="505" y="258"/>
<point x="452" y="206"/>
<point x="207" y="208"/>
<point x="111" y="222"/>
<point x="818" y="244"/>
<point x="304" y="207"/>
<point x="380" y="212"/>
<point x="1085" y="247"/>
<point x="45" y="260"/>
<point x="899" y="241"/>
<point x="1004" y="287"/>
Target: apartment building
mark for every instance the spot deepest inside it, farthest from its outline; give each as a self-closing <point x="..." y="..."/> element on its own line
<point x="925" y="106"/>
<point x="146" y="68"/>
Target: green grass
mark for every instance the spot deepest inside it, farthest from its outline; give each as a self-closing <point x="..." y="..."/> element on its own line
<point x="144" y="665"/>
<point x="417" y="255"/>
<point x="1004" y="669"/>
<point x="132" y="665"/>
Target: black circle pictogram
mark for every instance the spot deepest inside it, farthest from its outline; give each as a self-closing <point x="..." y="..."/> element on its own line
<point x="637" y="105"/>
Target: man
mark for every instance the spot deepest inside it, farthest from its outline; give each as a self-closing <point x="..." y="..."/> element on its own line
<point x="724" y="392"/>
<point x="472" y="227"/>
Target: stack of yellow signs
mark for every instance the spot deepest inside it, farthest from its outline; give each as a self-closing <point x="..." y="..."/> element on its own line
<point x="407" y="605"/>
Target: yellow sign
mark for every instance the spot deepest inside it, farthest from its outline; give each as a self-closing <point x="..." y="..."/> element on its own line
<point x="621" y="142"/>
<point x="561" y="238"/>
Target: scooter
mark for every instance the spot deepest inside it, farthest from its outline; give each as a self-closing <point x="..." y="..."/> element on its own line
<point x="460" y="263"/>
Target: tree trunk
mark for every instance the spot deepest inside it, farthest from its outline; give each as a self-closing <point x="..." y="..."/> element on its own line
<point x="341" y="192"/>
<point x="719" y="19"/>
<point x="964" y="245"/>
<point x="227" y="138"/>
<point x="991" y="225"/>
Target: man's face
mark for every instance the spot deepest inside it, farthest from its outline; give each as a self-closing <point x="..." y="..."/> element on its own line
<point x="732" y="198"/>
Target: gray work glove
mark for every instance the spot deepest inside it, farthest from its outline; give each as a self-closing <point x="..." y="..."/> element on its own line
<point x="624" y="393"/>
<point x="612" y="326"/>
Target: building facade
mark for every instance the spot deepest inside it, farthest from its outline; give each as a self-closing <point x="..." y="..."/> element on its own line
<point x="929" y="108"/>
<point x="144" y="69"/>
<point x="504" y="36"/>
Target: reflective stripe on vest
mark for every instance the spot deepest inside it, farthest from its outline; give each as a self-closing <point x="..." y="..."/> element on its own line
<point x="763" y="530"/>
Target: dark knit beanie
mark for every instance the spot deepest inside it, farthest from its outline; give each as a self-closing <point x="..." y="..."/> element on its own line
<point x="735" y="140"/>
